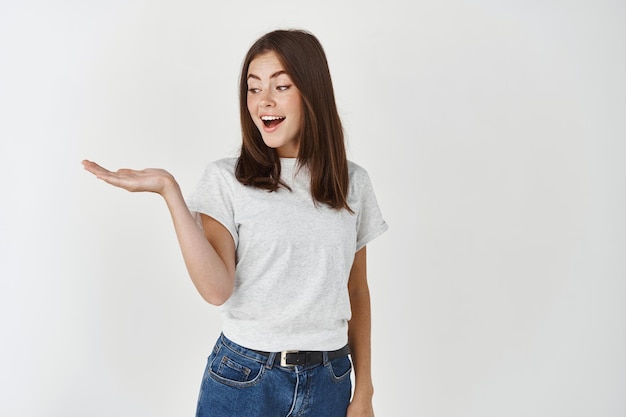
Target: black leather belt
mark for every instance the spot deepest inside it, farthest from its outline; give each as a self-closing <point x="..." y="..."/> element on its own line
<point x="305" y="357"/>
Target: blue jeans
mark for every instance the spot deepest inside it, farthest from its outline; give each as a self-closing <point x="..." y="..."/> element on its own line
<point x="240" y="382"/>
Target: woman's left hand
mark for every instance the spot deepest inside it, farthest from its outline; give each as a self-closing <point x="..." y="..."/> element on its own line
<point x="360" y="409"/>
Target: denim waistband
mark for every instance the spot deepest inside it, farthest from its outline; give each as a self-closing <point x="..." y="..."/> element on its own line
<point x="269" y="358"/>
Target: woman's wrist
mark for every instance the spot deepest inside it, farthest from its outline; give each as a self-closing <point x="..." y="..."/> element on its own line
<point x="363" y="392"/>
<point x="170" y="189"/>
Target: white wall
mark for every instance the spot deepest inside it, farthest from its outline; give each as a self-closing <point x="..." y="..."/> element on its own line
<point x="494" y="132"/>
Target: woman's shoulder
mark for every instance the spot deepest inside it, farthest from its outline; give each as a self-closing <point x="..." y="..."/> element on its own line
<point x="220" y="170"/>
<point x="358" y="175"/>
<point x="224" y="166"/>
<point x="227" y="163"/>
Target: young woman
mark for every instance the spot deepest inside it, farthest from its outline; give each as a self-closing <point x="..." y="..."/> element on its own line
<point x="281" y="245"/>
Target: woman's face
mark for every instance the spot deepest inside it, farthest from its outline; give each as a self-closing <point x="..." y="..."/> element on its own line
<point x="275" y="104"/>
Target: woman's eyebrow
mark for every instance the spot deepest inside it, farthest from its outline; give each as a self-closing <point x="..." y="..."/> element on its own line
<point x="274" y="75"/>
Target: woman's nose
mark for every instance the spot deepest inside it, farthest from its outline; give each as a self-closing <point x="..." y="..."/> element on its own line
<point x="266" y="99"/>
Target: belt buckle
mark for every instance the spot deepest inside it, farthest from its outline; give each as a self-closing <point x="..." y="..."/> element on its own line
<point x="283" y="357"/>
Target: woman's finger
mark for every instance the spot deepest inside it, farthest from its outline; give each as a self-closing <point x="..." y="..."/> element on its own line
<point x="95" y="169"/>
<point x="118" y="179"/>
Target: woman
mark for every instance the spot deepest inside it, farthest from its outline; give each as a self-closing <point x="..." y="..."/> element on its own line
<point x="282" y="244"/>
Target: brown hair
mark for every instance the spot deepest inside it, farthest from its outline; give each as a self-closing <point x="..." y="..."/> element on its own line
<point x="322" y="148"/>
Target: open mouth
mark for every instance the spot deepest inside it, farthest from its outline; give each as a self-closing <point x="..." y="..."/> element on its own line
<point x="272" y="121"/>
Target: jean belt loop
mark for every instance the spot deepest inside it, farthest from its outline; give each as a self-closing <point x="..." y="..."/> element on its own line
<point x="270" y="360"/>
<point x="325" y="356"/>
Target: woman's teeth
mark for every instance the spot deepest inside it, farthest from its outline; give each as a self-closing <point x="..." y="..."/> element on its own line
<point x="272" y="120"/>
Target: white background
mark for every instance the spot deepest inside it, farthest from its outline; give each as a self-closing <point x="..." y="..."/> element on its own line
<point x="494" y="133"/>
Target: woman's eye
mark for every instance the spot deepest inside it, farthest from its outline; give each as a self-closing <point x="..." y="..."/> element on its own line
<point x="283" y="87"/>
<point x="253" y="90"/>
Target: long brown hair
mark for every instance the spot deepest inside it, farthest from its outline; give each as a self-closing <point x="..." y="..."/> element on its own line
<point x="322" y="148"/>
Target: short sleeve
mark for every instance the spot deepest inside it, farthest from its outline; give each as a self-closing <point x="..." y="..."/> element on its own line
<point x="214" y="196"/>
<point x="370" y="222"/>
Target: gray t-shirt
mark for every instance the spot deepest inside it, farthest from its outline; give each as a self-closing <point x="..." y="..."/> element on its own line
<point x="293" y="256"/>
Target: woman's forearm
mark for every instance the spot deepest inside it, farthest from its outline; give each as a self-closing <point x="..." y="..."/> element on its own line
<point x="209" y="273"/>
<point x="359" y="336"/>
<point x="360" y="344"/>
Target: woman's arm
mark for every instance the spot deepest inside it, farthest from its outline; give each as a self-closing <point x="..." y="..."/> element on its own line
<point x="210" y="258"/>
<point x="359" y="338"/>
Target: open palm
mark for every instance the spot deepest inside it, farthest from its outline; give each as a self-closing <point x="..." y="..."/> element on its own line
<point x="152" y="179"/>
